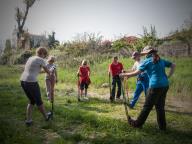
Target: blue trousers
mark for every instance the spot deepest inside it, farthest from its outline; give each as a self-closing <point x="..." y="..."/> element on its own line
<point x="140" y="87"/>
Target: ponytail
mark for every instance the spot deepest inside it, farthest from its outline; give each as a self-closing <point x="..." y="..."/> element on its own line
<point x="156" y="57"/>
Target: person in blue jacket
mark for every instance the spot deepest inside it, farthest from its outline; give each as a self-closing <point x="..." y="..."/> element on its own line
<point x="142" y="80"/>
<point x="158" y="86"/>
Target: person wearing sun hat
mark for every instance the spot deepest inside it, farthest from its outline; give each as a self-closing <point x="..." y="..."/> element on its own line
<point x="142" y="83"/>
<point x="51" y="79"/>
<point x="158" y="86"/>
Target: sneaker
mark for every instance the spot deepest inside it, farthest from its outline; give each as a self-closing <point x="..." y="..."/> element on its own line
<point x="28" y="122"/>
<point x="111" y="99"/>
<point x="49" y="114"/>
<point x="86" y="98"/>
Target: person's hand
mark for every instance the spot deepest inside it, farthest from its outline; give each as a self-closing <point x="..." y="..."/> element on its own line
<point x="122" y="75"/>
<point x="123" y="71"/>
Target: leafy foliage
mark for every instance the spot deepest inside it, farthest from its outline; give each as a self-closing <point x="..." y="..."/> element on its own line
<point x="5" y="58"/>
<point x="52" y="42"/>
<point x="23" y="57"/>
<point x="21" y="17"/>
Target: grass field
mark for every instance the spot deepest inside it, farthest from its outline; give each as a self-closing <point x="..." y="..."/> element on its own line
<point x="95" y="121"/>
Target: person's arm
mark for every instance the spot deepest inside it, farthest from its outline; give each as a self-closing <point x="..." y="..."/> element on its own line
<point x="89" y="72"/>
<point x="172" y="69"/>
<point x="46" y="70"/>
<point x="131" y="74"/>
<point x="56" y="75"/>
<point x="78" y="72"/>
<point x="134" y="67"/>
<point x="109" y="70"/>
<point x="122" y="71"/>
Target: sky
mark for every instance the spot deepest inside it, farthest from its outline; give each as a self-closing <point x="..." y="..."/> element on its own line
<point x="110" y="18"/>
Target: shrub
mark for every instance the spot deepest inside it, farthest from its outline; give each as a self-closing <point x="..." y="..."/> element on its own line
<point x="23" y="57"/>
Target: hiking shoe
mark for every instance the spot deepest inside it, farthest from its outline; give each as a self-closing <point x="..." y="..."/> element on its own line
<point x="86" y="98"/>
<point x="133" y="123"/>
<point x="28" y="122"/>
<point x="118" y="100"/>
<point x="111" y="99"/>
<point x="49" y="115"/>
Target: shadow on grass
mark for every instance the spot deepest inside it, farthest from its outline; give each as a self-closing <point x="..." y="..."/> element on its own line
<point x="116" y="131"/>
<point x="78" y="124"/>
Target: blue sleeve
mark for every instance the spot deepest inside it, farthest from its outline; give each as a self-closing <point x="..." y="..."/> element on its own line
<point x="167" y="63"/>
<point x="143" y="66"/>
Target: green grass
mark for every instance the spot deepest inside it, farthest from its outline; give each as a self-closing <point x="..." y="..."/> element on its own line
<point x="96" y="121"/>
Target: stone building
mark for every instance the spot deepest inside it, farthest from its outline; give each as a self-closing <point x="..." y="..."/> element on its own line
<point x="28" y="40"/>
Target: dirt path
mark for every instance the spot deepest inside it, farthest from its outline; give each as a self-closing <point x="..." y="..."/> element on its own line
<point x="178" y="104"/>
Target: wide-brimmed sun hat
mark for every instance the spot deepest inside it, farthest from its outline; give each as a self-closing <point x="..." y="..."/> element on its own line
<point x="149" y="49"/>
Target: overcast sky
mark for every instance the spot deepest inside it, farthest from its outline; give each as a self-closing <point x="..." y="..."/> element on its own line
<point x="109" y="17"/>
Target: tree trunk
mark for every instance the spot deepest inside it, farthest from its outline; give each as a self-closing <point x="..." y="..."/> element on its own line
<point x="188" y="48"/>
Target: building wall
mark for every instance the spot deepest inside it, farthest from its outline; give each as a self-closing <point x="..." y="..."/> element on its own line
<point x="173" y="49"/>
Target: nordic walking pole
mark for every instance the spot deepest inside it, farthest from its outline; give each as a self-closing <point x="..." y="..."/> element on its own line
<point x="52" y="107"/>
<point x="110" y="85"/>
<point x="127" y="89"/>
<point x="78" y="91"/>
<point x="125" y="101"/>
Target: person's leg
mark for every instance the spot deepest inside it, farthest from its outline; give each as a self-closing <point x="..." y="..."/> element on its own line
<point x="86" y="87"/>
<point x="119" y="88"/>
<point x="52" y="90"/>
<point x="148" y="105"/>
<point x="85" y="92"/>
<point x="29" y="112"/>
<point x="27" y="87"/>
<point x="137" y="93"/>
<point x="113" y="89"/>
<point x="145" y="86"/>
<point x="42" y="110"/>
<point x="160" y="108"/>
<point x="37" y="97"/>
<point x="48" y="88"/>
<point x="81" y="89"/>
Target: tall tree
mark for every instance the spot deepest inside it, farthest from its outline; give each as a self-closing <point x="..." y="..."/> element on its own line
<point x="52" y="42"/>
<point x="8" y="47"/>
<point x="21" y="17"/>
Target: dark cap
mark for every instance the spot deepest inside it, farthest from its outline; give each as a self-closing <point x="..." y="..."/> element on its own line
<point x="135" y="54"/>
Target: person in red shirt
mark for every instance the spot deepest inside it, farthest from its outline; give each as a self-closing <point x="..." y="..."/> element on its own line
<point x="84" y="81"/>
<point x="115" y="68"/>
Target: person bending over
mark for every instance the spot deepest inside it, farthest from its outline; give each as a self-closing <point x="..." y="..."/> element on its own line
<point x="158" y="87"/>
<point x="30" y="84"/>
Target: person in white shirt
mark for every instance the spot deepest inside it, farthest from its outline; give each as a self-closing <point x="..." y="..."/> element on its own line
<point x="30" y="84"/>
<point x="142" y="80"/>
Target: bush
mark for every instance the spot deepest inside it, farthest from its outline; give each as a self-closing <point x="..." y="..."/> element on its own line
<point x="5" y="58"/>
<point x="23" y="57"/>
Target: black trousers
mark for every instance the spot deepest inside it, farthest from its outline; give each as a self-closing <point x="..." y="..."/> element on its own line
<point x="155" y="96"/>
<point x="116" y="81"/>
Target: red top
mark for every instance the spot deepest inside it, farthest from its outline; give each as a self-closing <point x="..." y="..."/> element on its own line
<point x="115" y="69"/>
<point x="83" y="72"/>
